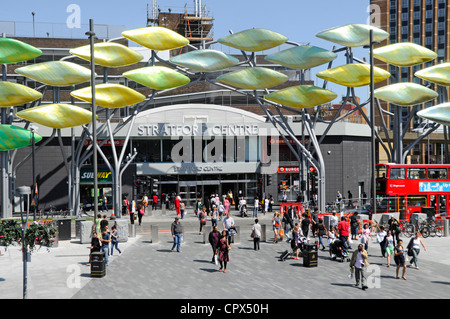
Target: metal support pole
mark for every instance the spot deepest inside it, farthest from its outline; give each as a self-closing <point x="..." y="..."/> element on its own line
<point x="91" y="35"/>
<point x="26" y="191"/>
<point x="372" y="120"/>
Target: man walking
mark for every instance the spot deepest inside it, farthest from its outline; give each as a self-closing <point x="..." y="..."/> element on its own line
<point x="343" y="229"/>
<point x="177" y="233"/>
<point x="358" y="264"/>
<point x="105" y="240"/>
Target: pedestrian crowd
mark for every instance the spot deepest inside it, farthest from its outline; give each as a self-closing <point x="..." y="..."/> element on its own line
<point x="104" y="239"/>
<point x="339" y="235"/>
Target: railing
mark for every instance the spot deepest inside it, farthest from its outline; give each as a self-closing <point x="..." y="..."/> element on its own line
<point x="58" y="30"/>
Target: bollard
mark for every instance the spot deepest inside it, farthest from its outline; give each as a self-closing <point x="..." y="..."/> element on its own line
<point x="77" y="227"/>
<point x="122" y="229"/>
<point x="446" y="230"/>
<point x="150" y="210"/>
<point x="237" y="236"/>
<point x="132" y="230"/>
<point x="86" y="231"/>
<point x="263" y="233"/>
<point x="163" y="209"/>
<point x="206" y="231"/>
<point x="154" y="230"/>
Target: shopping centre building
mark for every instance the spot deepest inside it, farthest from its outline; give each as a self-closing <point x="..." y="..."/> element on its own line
<point x="194" y="141"/>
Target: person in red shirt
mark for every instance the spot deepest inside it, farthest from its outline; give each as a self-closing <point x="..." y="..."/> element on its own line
<point x="177" y="205"/>
<point x="343" y="228"/>
<point x="155" y="201"/>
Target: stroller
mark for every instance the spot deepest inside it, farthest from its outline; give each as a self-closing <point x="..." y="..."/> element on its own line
<point x="302" y="240"/>
<point x="338" y="250"/>
<point x="243" y="210"/>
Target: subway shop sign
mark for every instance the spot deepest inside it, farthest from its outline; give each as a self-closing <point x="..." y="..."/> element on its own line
<point x="104" y="176"/>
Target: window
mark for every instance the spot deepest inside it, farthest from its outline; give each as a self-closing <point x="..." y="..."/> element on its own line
<point x="437" y="173"/>
<point x="417" y="200"/>
<point x="381" y="171"/>
<point x="397" y="173"/>
<point x="417" y="173"/>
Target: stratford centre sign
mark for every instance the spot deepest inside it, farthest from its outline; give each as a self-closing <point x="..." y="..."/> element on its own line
<point x="164" y="129"/>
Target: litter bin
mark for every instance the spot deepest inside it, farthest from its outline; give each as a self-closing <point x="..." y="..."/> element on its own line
<point x="98" y="264"/>
<point x="310" y="255"/>
<point x="64" y="228"/>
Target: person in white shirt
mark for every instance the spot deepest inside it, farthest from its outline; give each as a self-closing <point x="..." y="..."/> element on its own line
<point x="358" y="264"/>
<point x="381" y="235"/>
<point x="256" y="207"/>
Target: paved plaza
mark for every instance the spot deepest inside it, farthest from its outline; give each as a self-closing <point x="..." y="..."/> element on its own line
<point x="153" y="271"/>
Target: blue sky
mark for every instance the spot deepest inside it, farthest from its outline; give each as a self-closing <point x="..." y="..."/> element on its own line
<point x="299" y="20"/>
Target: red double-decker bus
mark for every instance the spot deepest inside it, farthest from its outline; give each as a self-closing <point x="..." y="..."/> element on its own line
<point x="411" y="187"/>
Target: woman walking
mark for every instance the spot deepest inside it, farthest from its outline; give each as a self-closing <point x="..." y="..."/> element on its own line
<point x="202" y="218"/>
<point x="321" y="231"/>
<point x="295" y="242"/>
<point x="389" y="247"/>
<point x="140" y="213"/>
<point x="381" y="235"/>
<point x="114" y="240"/>
<point x="414" y="249"/>
<point x="399" y="259"/>
<point x="276" y="222"/>
<point x="223" y="251"/>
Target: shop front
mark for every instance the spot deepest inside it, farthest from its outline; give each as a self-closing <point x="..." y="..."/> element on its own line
<point x="104" y="179"/>
<point x="195" y="151"/>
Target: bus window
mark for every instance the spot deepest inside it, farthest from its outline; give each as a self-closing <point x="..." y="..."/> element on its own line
<point x="443" y="208"/>
<point x="416" y="200"/>
<point x="381" y="171"/>
<point x="397" y="173"/>
<point x="437" y="173"/>
<point x="396" y="204"/>
<point x="417" y="173"/>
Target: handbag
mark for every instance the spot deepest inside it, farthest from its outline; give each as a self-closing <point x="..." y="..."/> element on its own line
<point x="281" y="233"/>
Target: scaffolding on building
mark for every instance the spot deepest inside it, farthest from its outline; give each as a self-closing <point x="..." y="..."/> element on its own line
<point x="196" y="25"/>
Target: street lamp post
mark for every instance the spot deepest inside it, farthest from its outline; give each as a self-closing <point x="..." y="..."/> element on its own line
<point x="24" y="191"/>
<point x="372" y="119"/>
<point x="91" y="35"/>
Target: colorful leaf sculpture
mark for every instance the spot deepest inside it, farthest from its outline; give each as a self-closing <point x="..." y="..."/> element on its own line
<point x="353" y="74"/>
<point x="205" y="60"/>
<point x="156" y="38"/>
<point x="301" y="96"/>
<point x="439" y="74"/>
<point x="13" y="137"/>
<point x="353" y="35"/>
<point x="110" y="95"/>
<point x="56" y="73"/>
<point x="253" y="40"/>
<point x="109" y="54"/>
<point x="404" y="54"/>
<point x="13" y="94"/>
<point x="302" y="57"/>
<point x="405" y="94"/>
<point x="439" y="113"/>
<point x="157" y="77"/>
<point x="14" y="51"/>
<point x="57" y="115"/>
<point x="253" y="78"/>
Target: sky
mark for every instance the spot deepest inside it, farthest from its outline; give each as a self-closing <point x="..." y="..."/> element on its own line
<point x="299" y="20"/>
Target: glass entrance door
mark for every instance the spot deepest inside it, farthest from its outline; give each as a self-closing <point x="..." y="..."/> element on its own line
<point x="188" y="193"/>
